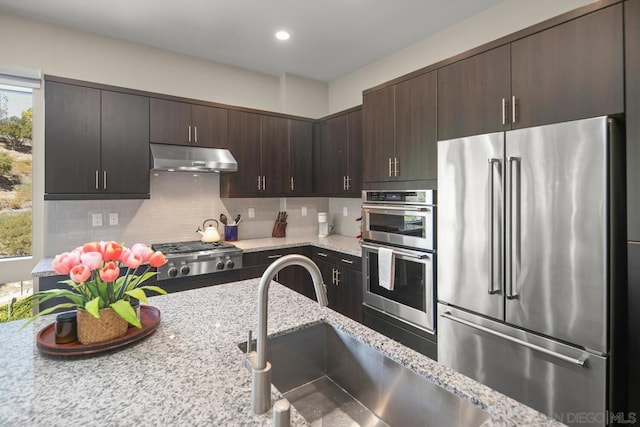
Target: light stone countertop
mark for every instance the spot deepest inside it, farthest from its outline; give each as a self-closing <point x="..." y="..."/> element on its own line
<point x="347" y="245"/>
<point x="190" y="372"/>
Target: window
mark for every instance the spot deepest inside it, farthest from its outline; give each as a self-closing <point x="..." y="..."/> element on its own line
<point x="15" y="171"/>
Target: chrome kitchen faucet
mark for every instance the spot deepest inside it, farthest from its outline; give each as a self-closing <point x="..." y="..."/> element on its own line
<point x="257" y="361"/>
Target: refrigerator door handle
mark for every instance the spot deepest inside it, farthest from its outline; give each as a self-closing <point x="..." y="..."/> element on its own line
<point x="492" y="289"/>
<point x="581" y="361"/>
<point x="513" y="230"/>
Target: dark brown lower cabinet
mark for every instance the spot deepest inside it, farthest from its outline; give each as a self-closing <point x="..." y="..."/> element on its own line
<point x="633" y="328"/>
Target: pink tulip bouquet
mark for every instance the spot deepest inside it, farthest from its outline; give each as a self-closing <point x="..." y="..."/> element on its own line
<point x="95" y="281"/>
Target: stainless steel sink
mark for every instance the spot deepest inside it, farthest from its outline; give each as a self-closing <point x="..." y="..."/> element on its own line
<point x="334" y="380"/>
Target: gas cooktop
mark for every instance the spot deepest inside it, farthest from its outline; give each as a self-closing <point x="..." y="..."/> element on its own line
<point x="191" y="246"/>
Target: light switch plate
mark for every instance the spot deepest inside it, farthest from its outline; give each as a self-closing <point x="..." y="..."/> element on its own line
<point x="345" y="211"/>
<point x="252" y="212"/>
<point x="96" y="220"/>
<point x="304" y="211"/>
<point x="113" y="218"/>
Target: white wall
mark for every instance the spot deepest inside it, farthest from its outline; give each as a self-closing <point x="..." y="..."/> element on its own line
<point x="501" y="20"/>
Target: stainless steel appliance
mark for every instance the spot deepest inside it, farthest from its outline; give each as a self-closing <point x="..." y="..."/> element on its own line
<point x="527" y="240"/>
<point x="403" y="222"/>
<point x="404" y="218"/>
<point x="191" y="159"/>
<point x="186" y="259"/>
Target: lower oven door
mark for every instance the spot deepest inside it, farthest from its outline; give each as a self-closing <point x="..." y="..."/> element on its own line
<point x="412" y="297"/>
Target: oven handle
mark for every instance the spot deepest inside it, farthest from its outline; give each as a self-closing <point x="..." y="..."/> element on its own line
<point x="398" y="208"/>
<point x="405" y="252"/>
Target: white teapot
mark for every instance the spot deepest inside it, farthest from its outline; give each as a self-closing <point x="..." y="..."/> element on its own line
<point x="210" y="233"/>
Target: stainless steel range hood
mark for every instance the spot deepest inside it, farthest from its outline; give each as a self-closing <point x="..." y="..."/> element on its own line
<point x="192" y="159"/>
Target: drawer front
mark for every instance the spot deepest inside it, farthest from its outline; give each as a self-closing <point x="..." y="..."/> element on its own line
<point x="337" y="258"/>
<point x="250" y="259"/>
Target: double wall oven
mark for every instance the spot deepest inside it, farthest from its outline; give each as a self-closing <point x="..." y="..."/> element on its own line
<point x="401" y="222"/>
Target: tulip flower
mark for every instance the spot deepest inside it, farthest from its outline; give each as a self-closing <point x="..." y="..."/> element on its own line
<point x="63" y="263"/>
<point x="133" y="261"/>
<point x="111" y="251"/>
<point x="142" y="250"/>
<point x="157" y="259"/>
<point x="109" y="272"/>
<point x="80" y="273"/>
<point x="124" y="255"/>
<point x="91" y="260"/>
<point x="91" y="247"/>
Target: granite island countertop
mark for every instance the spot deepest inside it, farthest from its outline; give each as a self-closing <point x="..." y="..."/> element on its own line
<point x="347" y="245"/>
<point x="190" y="372"/>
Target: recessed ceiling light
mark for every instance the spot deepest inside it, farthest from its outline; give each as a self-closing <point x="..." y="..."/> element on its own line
<point x="282" y="35"/>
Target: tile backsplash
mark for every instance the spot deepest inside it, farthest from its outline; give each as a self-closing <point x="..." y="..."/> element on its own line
<point x="179" y="203"/>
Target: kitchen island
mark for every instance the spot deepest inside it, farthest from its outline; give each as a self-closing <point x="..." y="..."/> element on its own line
<point x="190" y="371"/>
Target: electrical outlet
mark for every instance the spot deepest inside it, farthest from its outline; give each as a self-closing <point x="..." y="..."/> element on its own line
<point x="113" y="218"/>
<point x="96" y="220"/>
<point x="304" y="211"/>
<point x="252" y="213"/>
<point x="345" y="211"/>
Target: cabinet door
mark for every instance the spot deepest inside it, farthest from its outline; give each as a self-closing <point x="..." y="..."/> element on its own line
<point x="378" y="135"/>
<point x="633" y="322"/>
<point x="274" y="153"/>
<point x="416" y="128"/>
<point x="350" y="293"/>
<point x="334" y="155"/>
<point x="170" y="122"/>
<point x="72" y="139"/>
<point x="209" y="126"/>
<point x="632" y="57"/>
<point x="244" y="144"/>
<point x="354" y="156"/>
<point x="471" y="93"/>
<point x="125" y="143"/>
<point x="571" y="71"/>
<point x="300" y="157"/>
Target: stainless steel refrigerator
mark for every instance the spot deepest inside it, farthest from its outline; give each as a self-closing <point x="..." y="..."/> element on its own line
<point x="527" y="249"/>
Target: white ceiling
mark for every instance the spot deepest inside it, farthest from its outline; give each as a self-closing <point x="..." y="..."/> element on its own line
<point x="329" y="38"/>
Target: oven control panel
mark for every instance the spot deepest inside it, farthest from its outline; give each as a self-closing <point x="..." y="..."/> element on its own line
<point x="403" y="197"/>
<point x="187" y="265"/>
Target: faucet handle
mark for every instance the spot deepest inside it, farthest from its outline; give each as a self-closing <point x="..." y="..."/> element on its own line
<point x="249" y="339"/>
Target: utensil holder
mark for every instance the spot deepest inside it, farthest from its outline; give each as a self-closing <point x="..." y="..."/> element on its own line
<point x="230" y="233"/>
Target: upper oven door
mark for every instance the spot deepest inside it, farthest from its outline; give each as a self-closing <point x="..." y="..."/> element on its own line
<point x="405" y="225"/>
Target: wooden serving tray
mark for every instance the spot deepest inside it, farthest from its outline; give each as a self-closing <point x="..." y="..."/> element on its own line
<point x="46" y="338"/>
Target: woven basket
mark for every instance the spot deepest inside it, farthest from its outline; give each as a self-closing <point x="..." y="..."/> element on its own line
<point x="108" y="327"/>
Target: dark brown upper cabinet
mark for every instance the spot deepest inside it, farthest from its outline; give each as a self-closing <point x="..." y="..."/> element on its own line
<point x="400" y="131"/>
<point x="338" y="155"/>
<point x="300" y="158"/>
<point x="273" y="153"/>
<point x="567" y="72"/>
<point x="473" y="95"/>
<point x="96" y="143"/>
<point x="181" y="123"/>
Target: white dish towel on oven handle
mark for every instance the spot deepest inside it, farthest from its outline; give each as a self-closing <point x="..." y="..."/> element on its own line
<point x="386" y="268"/>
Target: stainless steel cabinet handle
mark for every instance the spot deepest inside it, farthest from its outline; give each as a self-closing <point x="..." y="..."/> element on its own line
<point x="337" y="277"/>
<point x="344" y="182"/>
<point x="97" y="177"/>
<point x="195" y="134"/>
<point x="348" y="261"/>
<point x="492" y="289"/>
<point x="274" y="256"/>
<point x="259" y="182"/>
<point x="189" y="133"/>
<point x="348" y="182"/>
<point x="322" y="254"/>
<point x="291" y="183"/>
<point x="264" y="183"/>
<point x="579" y="361"/>
<point x="504" y="111"/>
<point x="513" y="109"/>
<point x="513" y="238"/>
<point x="333" y="276"/>
<point x="395" y="166"/>
<point x="390" y="162"/>
<point x="104" y="179"/>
